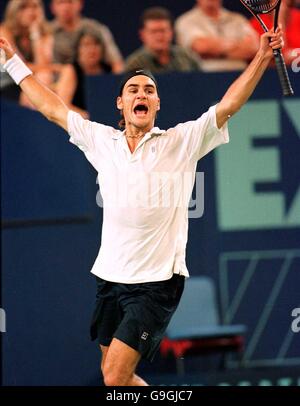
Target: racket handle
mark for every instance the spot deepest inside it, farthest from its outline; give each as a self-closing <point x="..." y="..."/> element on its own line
<point x="283" y="74"/>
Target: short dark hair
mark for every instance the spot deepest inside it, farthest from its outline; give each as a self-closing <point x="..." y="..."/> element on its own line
<point x="156" y="13"/>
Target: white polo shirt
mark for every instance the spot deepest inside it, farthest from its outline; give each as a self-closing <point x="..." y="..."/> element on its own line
<point x="145" y="194"/>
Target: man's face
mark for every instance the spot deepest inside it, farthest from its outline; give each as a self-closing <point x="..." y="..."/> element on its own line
<point x="210" y="5"/>
<point x="139" y="102"/>
<point x="66" y="10"/>
<point x="157" y="35"/>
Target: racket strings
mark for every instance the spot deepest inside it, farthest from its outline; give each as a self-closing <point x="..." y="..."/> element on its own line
<point x="261" y="6"/>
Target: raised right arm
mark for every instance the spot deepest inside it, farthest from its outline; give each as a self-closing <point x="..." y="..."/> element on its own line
<point x="45" y="101"/>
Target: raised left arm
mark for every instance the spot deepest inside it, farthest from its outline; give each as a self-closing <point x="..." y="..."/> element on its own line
<point x="242" y="88"/>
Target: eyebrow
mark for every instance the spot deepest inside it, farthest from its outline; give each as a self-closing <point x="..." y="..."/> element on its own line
<point x="136" y="85"/>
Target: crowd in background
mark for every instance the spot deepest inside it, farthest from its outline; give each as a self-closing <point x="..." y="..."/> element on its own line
<point x="63" y="51"/>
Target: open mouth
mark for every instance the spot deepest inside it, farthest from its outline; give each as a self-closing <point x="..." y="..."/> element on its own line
<point x="140" y="110"/>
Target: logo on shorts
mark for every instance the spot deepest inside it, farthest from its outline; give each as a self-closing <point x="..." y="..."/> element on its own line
<point x="144" y="336"/>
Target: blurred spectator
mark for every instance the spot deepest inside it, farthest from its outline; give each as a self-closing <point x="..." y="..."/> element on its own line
<point x="289" y="17"/>
<point x="225" y="40"/>
<point x="158" y="54"/>
<point x="89" y="52"/>
<point x="26" y="28"/>
<point x="67" y="27"/>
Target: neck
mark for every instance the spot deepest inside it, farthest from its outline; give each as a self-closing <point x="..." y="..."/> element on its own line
<point x="211" y="12"/>
<point x="134" y="135"/>
<point x="163" y="56"/>
<point x="131" y="131"/>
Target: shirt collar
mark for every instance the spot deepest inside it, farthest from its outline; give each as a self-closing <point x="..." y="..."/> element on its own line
<point x="154" y="131"/>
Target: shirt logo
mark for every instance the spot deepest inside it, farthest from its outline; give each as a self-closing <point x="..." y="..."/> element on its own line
<point x="144" y="336"/>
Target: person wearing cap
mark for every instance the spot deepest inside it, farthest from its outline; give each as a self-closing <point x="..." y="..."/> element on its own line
<point x="146" y="178"/>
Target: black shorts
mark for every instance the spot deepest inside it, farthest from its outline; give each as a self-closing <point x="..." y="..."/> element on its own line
<point x="137" y="314"/>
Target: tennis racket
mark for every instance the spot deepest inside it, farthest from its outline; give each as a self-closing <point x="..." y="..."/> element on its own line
<point x="257" y="7"/>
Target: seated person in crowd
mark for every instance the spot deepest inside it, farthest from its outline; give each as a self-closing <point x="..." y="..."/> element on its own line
<point x="67" y="27"/>
<point x="27" y="29"/>
<point x="158" y="54"/>
<point x="289" y="18"/>
<point x="89" y="51"/>
<point x="225" y="40"/>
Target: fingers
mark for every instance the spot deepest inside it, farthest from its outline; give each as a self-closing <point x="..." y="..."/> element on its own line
<point x="276" y="43"/>
<point x="6" y="47"/>
<point x="3" y="43"/>
<point x="275" y="38"/>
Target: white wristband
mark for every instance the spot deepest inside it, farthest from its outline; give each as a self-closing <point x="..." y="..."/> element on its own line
<point x="17" y="69"/>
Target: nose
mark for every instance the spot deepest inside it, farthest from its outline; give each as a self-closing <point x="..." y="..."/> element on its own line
<point x="141" y="94"/>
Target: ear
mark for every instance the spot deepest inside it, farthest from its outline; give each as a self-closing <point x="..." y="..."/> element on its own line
<point x="158" y="104"/>
<point x="119" y="103"/>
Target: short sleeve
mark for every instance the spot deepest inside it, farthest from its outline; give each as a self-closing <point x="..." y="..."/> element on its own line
<point x="201" y="136"/>
<point x="90" y="137"/>
<point x="80" y="131"/>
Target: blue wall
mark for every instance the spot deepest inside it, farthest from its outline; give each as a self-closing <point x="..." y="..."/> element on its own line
<point x="51" y="228"/>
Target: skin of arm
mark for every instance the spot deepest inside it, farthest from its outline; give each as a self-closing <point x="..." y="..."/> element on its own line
<point x="66" y="84"/>
<point x="228" y="48"/>
<point x="43" y="99"/>
<point x="42" y="50"/>
<point x="208" y="46"/>
<point x="244" y="49"/>
<point x="242" y="88"/>
<point x="117" y="67"/>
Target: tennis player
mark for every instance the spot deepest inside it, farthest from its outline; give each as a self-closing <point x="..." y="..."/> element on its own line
<point x="141" y="268"/>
